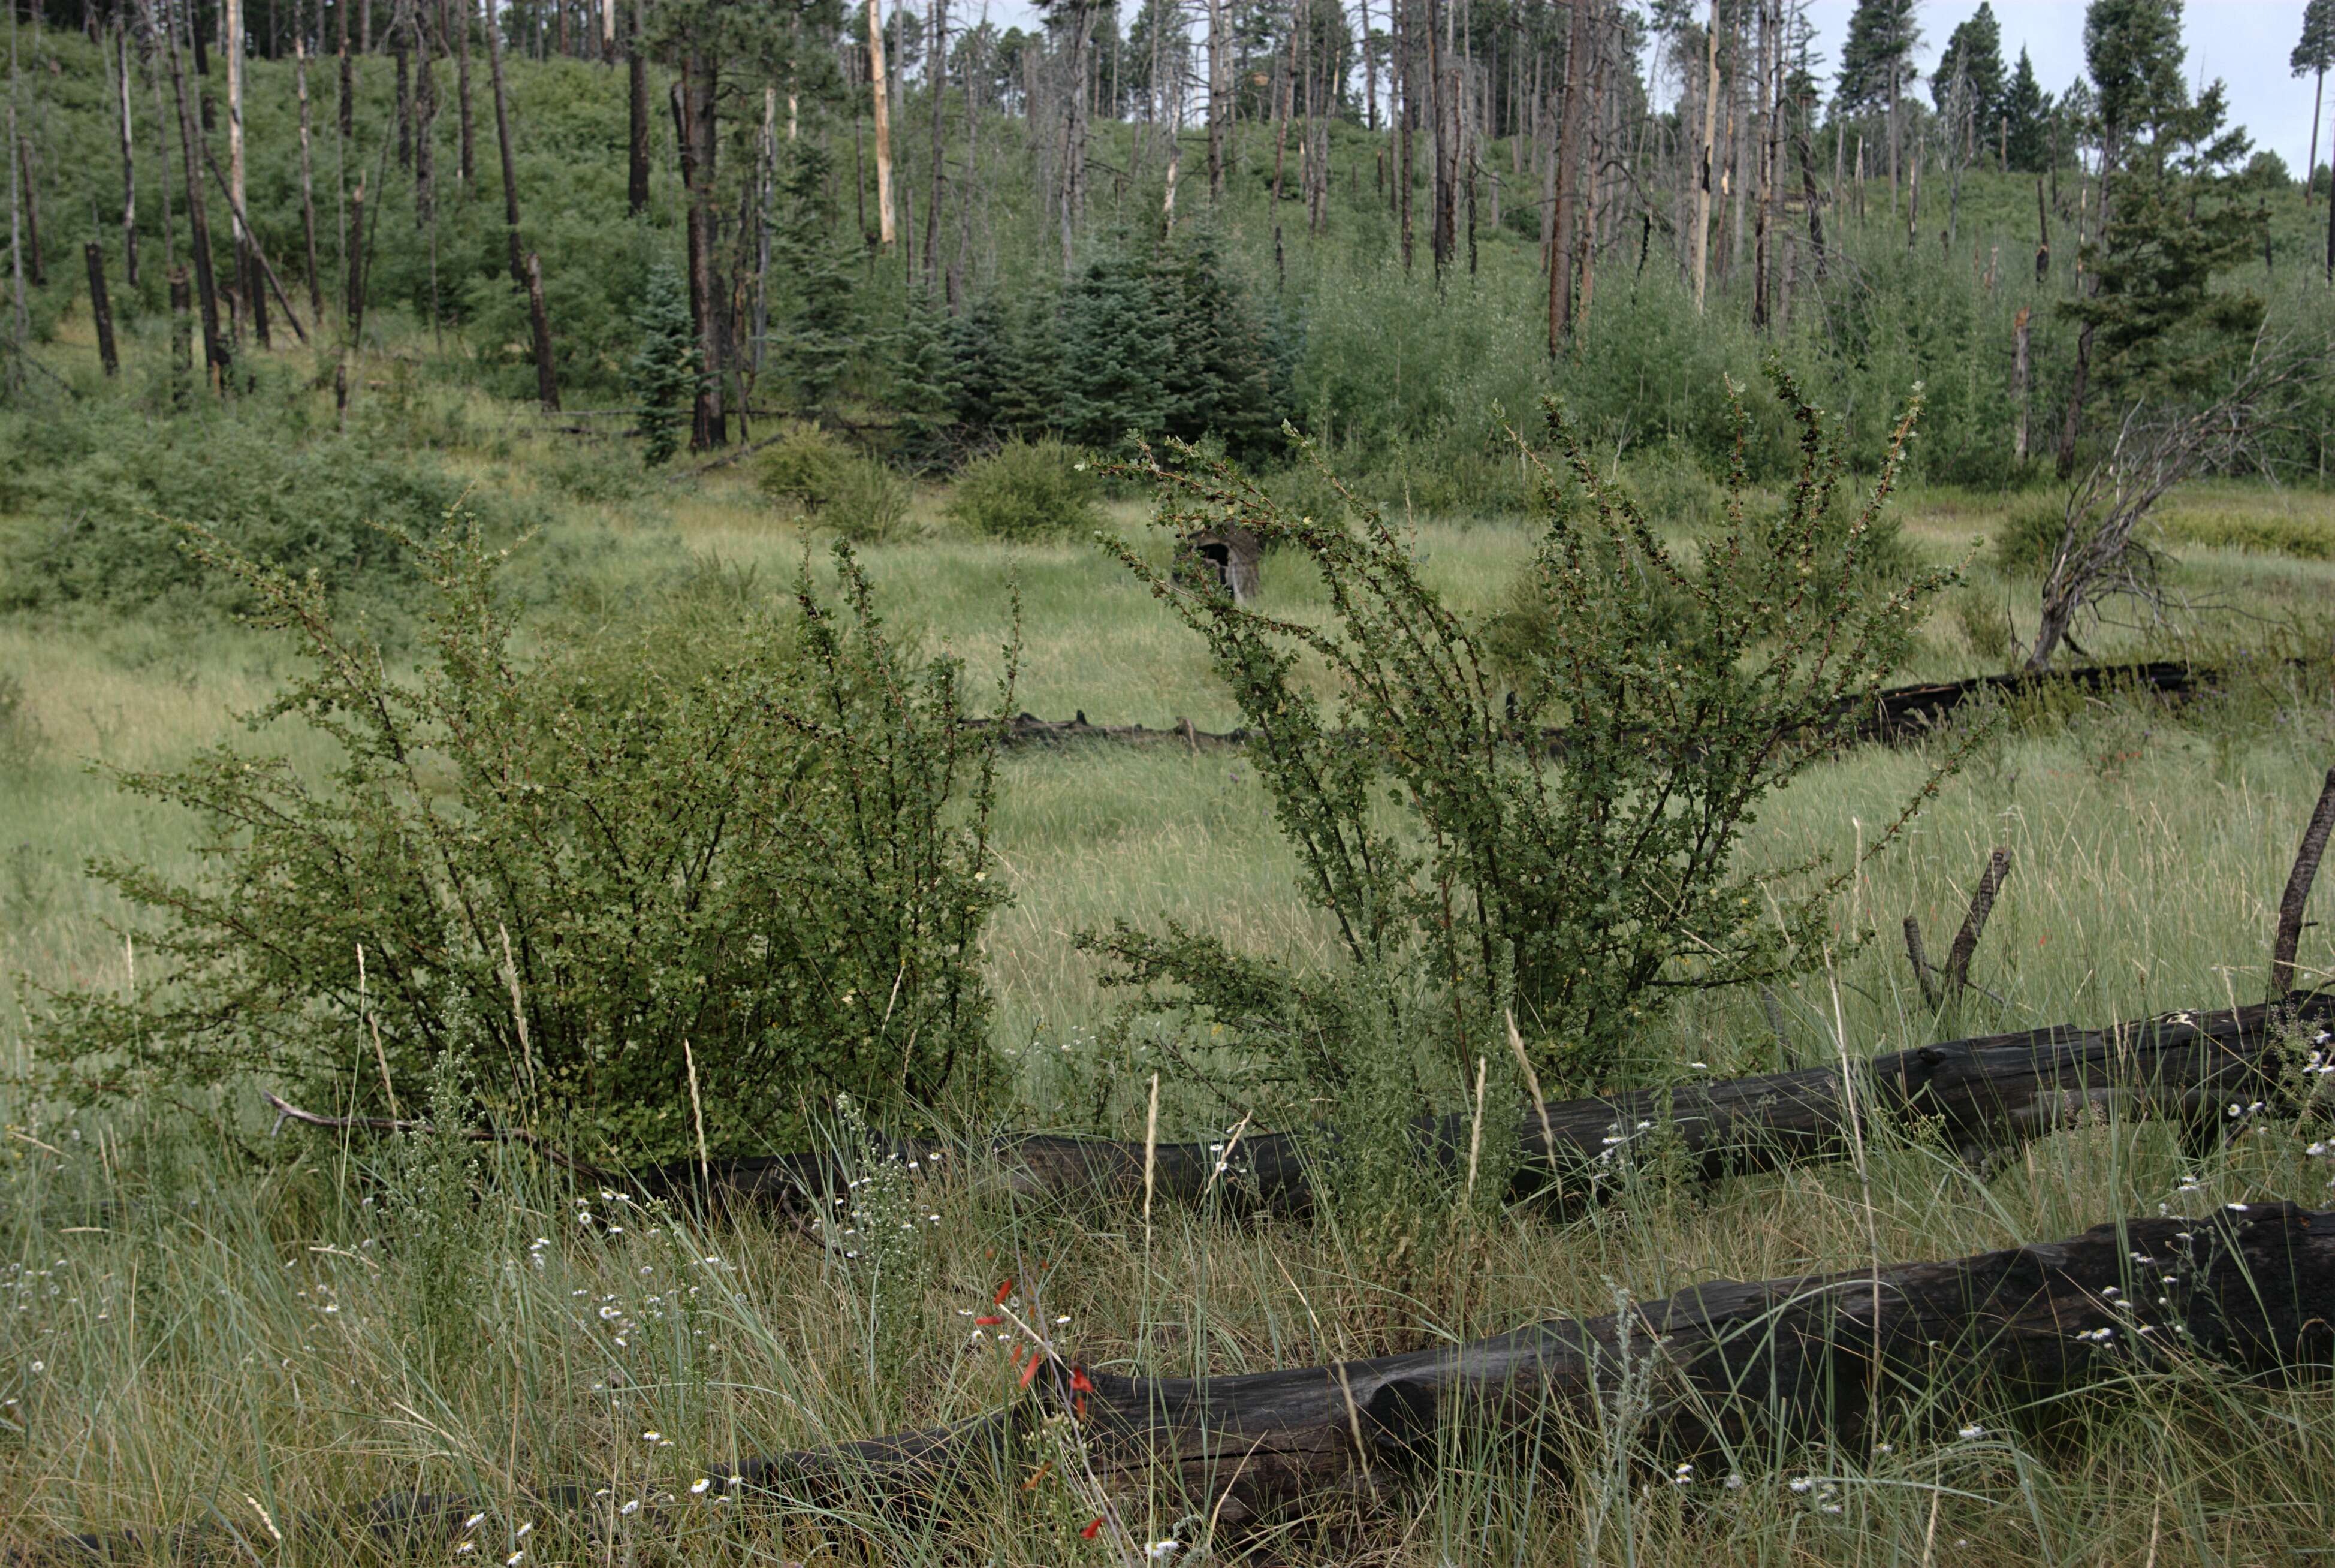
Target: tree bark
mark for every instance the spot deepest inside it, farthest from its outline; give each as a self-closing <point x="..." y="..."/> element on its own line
<point x="1699" y="241"/>
<point x="1569" y="134"/>
<point x="503" y="146"/>
<point x="129" y="166"/>
<point x="546" y="381"/>
<point x="692" y="107"/>
<point x="1725" y="1366"/>
<point x="307" y="182"/>
<point x="2297" y="897"/>
<point x="100" y="311"/>
<point x="936" y="83"/>
<point x="637" y="71"/>
<point x="1838" y="1359"/>
<point x="469" y="169"/>
<point x="2019" y="340"/>
<point x="877" y="88"/>
<point x="218" y="360"/>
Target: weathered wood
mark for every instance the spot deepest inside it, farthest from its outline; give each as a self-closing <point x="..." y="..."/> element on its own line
<point x="1894" y="714"/>
<point x="100" y="309"/>
<point x="2297" y="897"/>
<point x="1843" y="1356"/>
<point x="1984" y="1092"/>
<point x="1982" y="904"/>
<point x="1910" y="1348"/>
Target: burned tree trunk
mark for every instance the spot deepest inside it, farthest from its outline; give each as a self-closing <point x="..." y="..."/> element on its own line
<point x="1724" y="1365"/>
<point x="1720" y="1369"/>
<point x="100" y="310"/>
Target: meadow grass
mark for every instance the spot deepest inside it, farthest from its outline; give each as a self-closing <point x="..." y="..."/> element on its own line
<point x="191" y="1335"/>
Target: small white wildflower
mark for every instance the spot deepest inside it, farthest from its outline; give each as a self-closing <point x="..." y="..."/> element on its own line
<point x="1160" y="1550"/>
<point x="474" y="1521"/>
<point x="523" y="1531"/>
<point x="630" y="1508"/>
<point x="653" y="1437"/>
<point x="1063" y="1319"/>
<point x="1973" y="1431"/>
<point x="697" y="1487"/>
<point x="516" y="1558"/>
<point x="1801" y="1482"/>
<point x="2239" y="1208"/>
<point x="466" y="1546"/>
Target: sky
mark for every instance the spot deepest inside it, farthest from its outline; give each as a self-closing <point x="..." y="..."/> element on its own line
<point x="2245" y="43"/>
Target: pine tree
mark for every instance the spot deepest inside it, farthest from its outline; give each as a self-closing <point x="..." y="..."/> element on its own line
<point x="2175" y="217"/>
<point x="663" y="376"/>
<point x="2312" y="56"/>
<point x="1877" y="61"/>
<point x="2026" y="109"/>
<point x="809" y="336"/>
<point x="1974" y="53"/>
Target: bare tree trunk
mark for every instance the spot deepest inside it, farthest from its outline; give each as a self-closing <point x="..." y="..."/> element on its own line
<point x="1699" y="240"/>
<point x="693" y="98"/>
<point x="1406" y="113"/>
<point x="878" y="88"/>
<point x="129" y="166"/>
<point x="469" y="155"/>
<point x="100" y="311"/>
<point x="1218" y="88"/>
<point x="1569" y="136"/>
<point x="547" y="380"/>
<point x="218" y="360"/>
<point x="1771" y="86"/>
<point x="512" y="255"/>
<point x="2019" y="386"/>
<point x="936" y="83"/>
<point x="636" y="70"/>
<point x="307" y="180"/>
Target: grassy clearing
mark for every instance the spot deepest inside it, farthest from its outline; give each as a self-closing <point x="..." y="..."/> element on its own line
<point x="188" y="1337"/>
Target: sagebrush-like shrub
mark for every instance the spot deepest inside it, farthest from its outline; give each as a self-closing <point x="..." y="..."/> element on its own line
<point x="572" y="871"/>
<point x="1037" y="489"/>
<point x="870" y="503"/>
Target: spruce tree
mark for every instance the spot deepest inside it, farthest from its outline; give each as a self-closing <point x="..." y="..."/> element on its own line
<point x="2027" y="109"/>
<point x="2175" y="217"/>
<point x="1877" y="60"/>
<point x="1974" y="53"/>
<point x="664" y="373"/>
<point x="2312" y="56"/>
<point x="809" y="336"/>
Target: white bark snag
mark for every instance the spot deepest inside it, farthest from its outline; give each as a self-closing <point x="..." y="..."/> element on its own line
<point x="129" y="168"/>
<point x="884" y="232"/>
<point x="307" y="182"/>
<point x="2018" y="327"/>
<point x="1699" y="241"/>
<point x="231" y="38"/>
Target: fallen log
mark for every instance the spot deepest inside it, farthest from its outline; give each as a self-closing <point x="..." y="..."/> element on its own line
<point x="1722" y="1366"/>
<point x="1982" y="1093"/>
<point x="1896" y="714"/>
<point x="1718" y="1370"/>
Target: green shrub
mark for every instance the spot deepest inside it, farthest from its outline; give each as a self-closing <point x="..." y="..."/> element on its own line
<point x="870" y="503"/>
<point x="1029" y="490"/>
<point x="1468" y="868"/>
<point x="802" y="469"/>
<point x="596" y="474"/>
<point x="570" y="873"/>
<point x="107" y="526"/>
<point x="2029" y="537"/>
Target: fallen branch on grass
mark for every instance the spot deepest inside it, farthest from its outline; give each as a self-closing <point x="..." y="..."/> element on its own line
<point x="1713" y="1375"/>
<point x="1722" y="1366"/>
<point x="1980" y="1093"/>
<point x="1897" y="713"/>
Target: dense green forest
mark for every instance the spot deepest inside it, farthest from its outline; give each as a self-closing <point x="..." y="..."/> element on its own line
<point x="1066" y="233"/>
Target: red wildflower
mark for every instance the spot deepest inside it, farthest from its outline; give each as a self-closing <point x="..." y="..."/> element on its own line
<point x="1003" y="1290"/>
<point x="986" y="1322"/>
<point x="1093" y="1529"/>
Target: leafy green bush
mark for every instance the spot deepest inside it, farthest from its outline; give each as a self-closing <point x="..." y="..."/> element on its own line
<point x="597" y="474"/>
<point x="1029" y="490"/>
<point x="870" y="502"/>
<point x="1469" y="866"/>
<point x="802" y="468"/>
<point x="2029" y="539"/>
<point x="573" y="873"/>
<point x="108" y="528"/>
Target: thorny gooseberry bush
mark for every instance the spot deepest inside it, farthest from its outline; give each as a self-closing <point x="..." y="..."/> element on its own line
<point x="1568" y="845"/>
